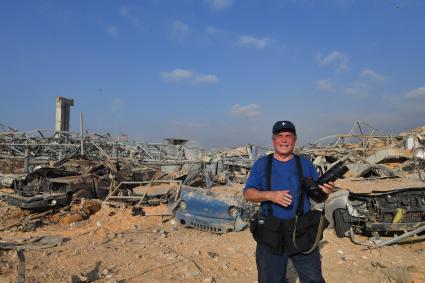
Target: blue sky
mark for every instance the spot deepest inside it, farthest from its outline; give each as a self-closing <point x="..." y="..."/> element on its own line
<point x="217" y="71"/>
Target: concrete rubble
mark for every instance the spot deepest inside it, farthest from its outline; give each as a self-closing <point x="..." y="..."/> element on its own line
<point x="48" y="171"/>
<point x="48" y="179"/>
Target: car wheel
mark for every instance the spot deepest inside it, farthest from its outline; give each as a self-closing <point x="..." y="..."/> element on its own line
<point x="341" y="226"/>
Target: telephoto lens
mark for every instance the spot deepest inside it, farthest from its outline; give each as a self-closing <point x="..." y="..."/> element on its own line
<point x="333" y="174"/>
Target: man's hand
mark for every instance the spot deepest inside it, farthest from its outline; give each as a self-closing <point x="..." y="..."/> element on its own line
<point x="280" y="197"/>
<point x="327" y="188"/>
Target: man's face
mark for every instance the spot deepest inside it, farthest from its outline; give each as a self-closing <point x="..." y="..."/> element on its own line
<point x="284" y="142"/>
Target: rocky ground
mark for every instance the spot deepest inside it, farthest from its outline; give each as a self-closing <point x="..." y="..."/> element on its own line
<point x="114" y="246"/>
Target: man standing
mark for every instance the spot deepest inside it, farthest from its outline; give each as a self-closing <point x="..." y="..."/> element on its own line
<point x="284" y="195"/>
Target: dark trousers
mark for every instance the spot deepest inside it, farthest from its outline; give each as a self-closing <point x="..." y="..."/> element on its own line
<point x="272" y="268"/>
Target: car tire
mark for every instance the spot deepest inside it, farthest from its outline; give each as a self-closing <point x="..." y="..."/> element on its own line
<point x="341" y="226"/>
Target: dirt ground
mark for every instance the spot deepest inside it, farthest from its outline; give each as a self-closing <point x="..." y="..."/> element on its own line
<point x="114" y="246"/>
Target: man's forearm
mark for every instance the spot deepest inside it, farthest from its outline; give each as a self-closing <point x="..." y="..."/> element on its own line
<point x="255" y="195"/>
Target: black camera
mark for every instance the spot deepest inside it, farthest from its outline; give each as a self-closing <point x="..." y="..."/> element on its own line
<point x="333" y="174"/>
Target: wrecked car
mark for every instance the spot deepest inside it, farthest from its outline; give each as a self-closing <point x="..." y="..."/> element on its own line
<point x="210" y="211"/>
<point x="70" y="180"/>
<point x="384" y="212"/>
<point x="52" y="187"/>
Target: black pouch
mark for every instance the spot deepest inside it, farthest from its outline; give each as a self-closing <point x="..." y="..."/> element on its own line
<point x="273" y="234"/>
<point x="269" y="232"/>
<point x="254" y="228"/>
<point x="308" y="230"/>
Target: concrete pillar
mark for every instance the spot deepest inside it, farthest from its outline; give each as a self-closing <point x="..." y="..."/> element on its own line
<point x="63" y="106"/>
<point x="27" y="161"/>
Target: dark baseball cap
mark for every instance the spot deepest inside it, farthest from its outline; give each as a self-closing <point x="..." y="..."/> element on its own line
<point x="283" y="126"/>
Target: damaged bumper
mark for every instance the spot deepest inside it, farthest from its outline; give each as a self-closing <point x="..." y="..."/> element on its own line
<point x="38" y="201"/>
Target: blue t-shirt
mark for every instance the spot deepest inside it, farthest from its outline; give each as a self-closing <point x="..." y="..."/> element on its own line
<point x="284" y="177"/>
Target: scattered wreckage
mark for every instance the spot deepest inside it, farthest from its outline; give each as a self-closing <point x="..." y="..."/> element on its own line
<point x="69" y="180"/>
<point x="149" y="175"/>
<point x="373" y="213"/>
<point x="375" y="209"/>
<point x="184" y="177"/>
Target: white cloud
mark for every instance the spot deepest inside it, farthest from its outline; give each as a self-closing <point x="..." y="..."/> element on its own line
<point x="250" y="110"/>
<point x="324" y="86"/>
<point x="416" y="93"/>
<point x="179" y="29"/>
<point x="250" y="41"/>
<point x="336" y="59"/>
<point x="372" y="75"/>
<point x="180" y="75"/>
<point x="217" y="5"/>
<point x="177" y="75"/>
<point x="112" y="30"/>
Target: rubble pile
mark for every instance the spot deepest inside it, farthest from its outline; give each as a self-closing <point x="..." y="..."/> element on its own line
<point x="55" y="172"/>
<point x="372" y="154"/>
<point x="74" y="199"/>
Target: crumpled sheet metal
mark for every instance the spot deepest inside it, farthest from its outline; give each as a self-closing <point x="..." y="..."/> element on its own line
<point x="42" y="242"/>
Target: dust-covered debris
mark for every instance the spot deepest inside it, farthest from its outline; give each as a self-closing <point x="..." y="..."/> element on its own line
<point x="125" y="208"/>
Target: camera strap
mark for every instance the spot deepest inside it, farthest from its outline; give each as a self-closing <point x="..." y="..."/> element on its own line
<point x="300" y="208"/>
<point x="269" y="181"/>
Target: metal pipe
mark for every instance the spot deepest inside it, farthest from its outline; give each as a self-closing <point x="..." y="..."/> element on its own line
<point x="402" y="236"/>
